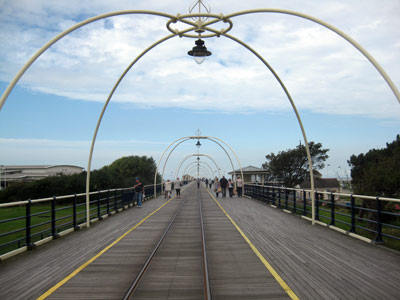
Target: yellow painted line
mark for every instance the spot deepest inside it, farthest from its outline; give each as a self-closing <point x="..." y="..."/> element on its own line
<point x="70" y="276"/>
<point x="278" y="278"/>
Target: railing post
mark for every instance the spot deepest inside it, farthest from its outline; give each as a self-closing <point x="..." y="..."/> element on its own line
<point x="108" y="202"/>
<point x="378" y="239"/>
<point x="332" y="210"/>
<point x="294" y="201"/>
<point x="316" y="206"/>
<point x="98" y="207"/>
<point x="74" y="214"/>
<point x="115" y="201"/>
<point x="304" y="203"/>
<point x="28" y="226"/>
<point x="353" y="214"/>
<point x="273" y="196"/>
<point x="279" y="197"/>
<point x="53" y="219"/>
<point x="286" y="198"/>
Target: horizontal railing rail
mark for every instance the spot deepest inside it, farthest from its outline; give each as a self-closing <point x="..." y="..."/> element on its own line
<point x="25" y="224"/>
<point x="375" y="218"/>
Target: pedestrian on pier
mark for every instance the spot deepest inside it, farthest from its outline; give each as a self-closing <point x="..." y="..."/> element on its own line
<point x="168" y="189"/>
<point x="177" y="185"/>
<point x="198" y="183"/>
<point x="139" y="192"/>
<point x="230" y="187"/>
<point x="217" y="187"/>
<point x="224" y="184"/>
<point x="239" y="186"/>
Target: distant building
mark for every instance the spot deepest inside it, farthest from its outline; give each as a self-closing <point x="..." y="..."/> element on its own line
<point x="253" y="174"/>
<point x="30" y="173"/>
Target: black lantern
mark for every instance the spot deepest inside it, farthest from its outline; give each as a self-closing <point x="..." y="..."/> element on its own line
<point x="199" y="52"/>
<point x="198" y="143"/>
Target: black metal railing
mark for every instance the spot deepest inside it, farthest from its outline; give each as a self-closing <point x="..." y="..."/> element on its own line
<point x="375" y="218"/>
<point x="29" y="222"/>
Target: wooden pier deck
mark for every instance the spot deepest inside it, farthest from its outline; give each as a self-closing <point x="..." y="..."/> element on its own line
<point x="313" y="262"/>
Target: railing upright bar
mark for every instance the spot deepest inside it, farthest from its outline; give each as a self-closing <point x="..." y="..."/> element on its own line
<point x="378" y="239"/>
<point x="304" y="203"/>
<point x="353" y="214"/>
<point x="279" y="197"/>
<point x="108" y="202"/>
<point x="294" y="201"/>
<point x="332" y="210"/>
<point x="316" y="206"/>
<point x="98" y="206"/>
<point x="53" y="218"/>
<point x="286" y="198"/>
<point x="115" y="201"/>
<point x="273" y="196"/>
<point x="28" y="225"/>
<point x="74" y="214"/>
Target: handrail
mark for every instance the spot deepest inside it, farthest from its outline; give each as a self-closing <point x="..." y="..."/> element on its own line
<point x="329" y="193"/>
<point x="374" y="223"/>
<point x="10" y="204"/>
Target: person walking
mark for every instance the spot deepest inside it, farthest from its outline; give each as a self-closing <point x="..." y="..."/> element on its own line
<point x="230" y="187"/>
<point x="139" y="191"/>
<point x="168" y="189"/>
<point x="206" y="182"/>
<point x="239" y="186"/>
<point x="177" y="185"/>
<point x="223" y="183"/>
<point x="217" y="187"/>
<point x="198" y="183"/>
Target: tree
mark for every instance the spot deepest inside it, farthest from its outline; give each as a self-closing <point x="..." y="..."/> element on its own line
<point x="378" y="171"/>
<point x="291" y="166"/>
<point x="121" y="173"/>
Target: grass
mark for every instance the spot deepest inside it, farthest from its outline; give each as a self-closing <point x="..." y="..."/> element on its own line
<point x="43" y="217"/>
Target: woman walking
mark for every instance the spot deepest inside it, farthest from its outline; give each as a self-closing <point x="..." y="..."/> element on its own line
<point x="217" y="186"/>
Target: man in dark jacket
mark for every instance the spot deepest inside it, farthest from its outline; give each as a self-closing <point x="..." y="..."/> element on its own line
<point x="224" y="183"/>
<point x="139" y="190"/>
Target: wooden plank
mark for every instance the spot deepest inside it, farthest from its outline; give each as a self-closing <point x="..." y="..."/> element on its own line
<point x="319" y="263"/>
<point x="316" y="262"/>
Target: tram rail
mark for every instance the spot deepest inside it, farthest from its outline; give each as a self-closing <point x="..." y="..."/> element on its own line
<point x="130" y="293"/>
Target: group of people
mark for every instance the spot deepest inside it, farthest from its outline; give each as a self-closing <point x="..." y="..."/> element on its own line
<point x="169" y="186"/>
<point x="221" y="185"/>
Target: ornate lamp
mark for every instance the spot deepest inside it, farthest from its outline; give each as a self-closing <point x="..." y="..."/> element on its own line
<point x="198" y="144"/>
<point x="199" y="52"/>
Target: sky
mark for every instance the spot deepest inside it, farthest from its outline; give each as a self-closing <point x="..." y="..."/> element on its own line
<point x="51" y="115"/>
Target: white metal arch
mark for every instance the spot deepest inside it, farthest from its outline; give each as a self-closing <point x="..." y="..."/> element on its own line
<point x="217" y="18"/>
<point x="197" y="154"/>
<point x="182" y="161"/>
<point x="196" y="162"/>
<point x="183" y="139"/>
<point x="199" y="168"/>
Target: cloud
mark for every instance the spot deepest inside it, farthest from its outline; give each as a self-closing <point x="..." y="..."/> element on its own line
<point x="322" y="72"/>
<point x="48" y="151"/>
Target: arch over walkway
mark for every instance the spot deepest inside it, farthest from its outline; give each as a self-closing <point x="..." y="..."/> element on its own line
<point x="200" y="27"/>
<point x="196" y="162"/>
<point x="197" y="154"/>
<point x="183" y="139"/>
